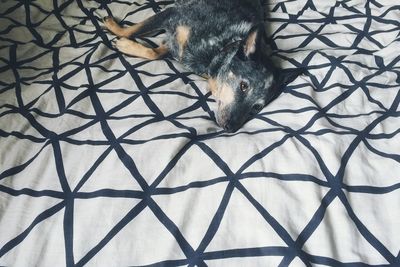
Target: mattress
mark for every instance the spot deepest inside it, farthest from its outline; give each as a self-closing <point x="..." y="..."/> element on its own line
<point x="111" y="160"/>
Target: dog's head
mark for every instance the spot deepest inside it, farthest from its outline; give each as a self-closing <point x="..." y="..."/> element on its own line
<point x="245" y="83"/>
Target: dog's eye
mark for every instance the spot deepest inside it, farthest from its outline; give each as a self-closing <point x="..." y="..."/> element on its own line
<point x="244" y="86"/>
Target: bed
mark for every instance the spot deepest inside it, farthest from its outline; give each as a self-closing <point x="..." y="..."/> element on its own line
<point x="110" y="160"/>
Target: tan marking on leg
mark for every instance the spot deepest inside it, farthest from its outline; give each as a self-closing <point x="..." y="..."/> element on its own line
<point x="119" y="31"/>
<point x="182" y="37"/>
<point x="161" y="51"/>
<point x="133" y="48"/>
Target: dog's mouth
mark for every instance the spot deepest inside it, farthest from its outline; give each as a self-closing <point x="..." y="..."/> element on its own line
<point x="222" y="118"/>
<point x="230" y="120"/>
<point x="228" y="127"/>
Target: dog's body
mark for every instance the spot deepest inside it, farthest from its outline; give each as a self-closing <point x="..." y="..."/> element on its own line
<point x="219" y="39"/>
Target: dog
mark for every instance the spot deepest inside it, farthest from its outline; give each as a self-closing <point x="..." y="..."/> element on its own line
<point x="221" y="40"/>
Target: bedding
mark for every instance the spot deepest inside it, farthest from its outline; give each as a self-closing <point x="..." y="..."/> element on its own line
<point x="110" y="160"/>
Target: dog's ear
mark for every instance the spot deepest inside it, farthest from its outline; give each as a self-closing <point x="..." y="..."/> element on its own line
<point x="251" y="45"/>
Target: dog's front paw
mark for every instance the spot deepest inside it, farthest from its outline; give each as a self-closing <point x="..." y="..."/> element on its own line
<point x="109" y="23"/>
<point x="124" y="45"/>
<point x="107" y="19"/>
<point x="114" y="43"/>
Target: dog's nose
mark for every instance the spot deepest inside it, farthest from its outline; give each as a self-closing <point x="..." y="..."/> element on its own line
<point x="228" y="127"/>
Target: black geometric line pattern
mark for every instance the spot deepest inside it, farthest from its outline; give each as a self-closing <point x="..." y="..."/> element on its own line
<point x="108" y="160"/>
